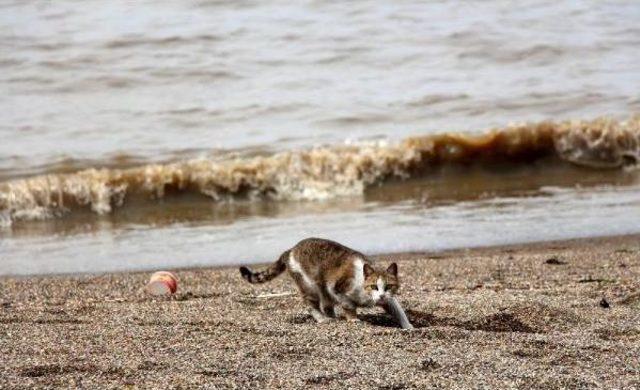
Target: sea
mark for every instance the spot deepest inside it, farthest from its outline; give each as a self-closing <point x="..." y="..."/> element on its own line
<point x="146" y="135"/>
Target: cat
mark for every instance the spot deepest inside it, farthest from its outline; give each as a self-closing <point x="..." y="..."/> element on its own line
<point x="334" y="280"/>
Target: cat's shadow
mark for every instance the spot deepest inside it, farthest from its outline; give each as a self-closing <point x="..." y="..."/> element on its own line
<point x="418" y="319"/>
<point x="498" y="322"/>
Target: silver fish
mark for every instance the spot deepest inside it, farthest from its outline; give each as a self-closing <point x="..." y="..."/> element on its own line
<point x="392" y="306"/>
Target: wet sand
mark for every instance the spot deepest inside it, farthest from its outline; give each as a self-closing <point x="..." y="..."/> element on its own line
<point x="525" y="316"/>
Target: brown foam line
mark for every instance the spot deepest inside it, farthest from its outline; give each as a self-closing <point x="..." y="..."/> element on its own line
<point x="325" y="172"/>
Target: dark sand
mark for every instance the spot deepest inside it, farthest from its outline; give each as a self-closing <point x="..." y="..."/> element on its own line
<point x="527" y="316"/>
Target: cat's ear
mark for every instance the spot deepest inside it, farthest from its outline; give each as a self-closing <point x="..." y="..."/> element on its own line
<point x="393" y="269"/>
<point x="368" y="270"/>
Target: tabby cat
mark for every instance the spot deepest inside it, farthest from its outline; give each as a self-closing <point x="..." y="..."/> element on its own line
<point x="333" y="280"/>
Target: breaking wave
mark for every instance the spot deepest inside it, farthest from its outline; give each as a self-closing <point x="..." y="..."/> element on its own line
<point x="323" y="172"/>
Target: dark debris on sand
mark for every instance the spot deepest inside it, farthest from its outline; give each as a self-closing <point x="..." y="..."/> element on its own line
<point x="554" y="261"/>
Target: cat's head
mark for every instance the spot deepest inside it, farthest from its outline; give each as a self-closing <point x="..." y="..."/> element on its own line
<point x="381" y="285"/>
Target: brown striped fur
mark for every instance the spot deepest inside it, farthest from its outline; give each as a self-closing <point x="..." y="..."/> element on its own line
<point x="269" y="273"/>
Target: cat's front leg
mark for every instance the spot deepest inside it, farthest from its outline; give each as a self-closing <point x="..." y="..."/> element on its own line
<point x="350" y="314"/>
<point x="347" y="311"/>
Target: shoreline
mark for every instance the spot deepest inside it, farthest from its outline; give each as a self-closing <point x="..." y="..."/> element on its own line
<point x="524" y="315"/>
<point x="404" y="255"/>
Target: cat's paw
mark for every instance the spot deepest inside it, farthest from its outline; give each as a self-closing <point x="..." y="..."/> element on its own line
<point x="320" y="317"/>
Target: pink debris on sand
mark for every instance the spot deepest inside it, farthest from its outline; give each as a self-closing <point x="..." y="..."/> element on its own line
<point x="162" y="283"/>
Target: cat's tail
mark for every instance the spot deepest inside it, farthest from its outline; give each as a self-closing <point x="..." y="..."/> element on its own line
<point x="266" y="275"/>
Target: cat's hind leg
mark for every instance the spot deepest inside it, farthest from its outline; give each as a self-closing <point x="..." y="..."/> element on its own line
<point x="316" y="312"/>
<point x="309" y="292"/>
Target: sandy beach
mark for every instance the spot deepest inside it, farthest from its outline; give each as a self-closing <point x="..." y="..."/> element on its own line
<point x="549" y="315"/>
<point x="187" y="136"/>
